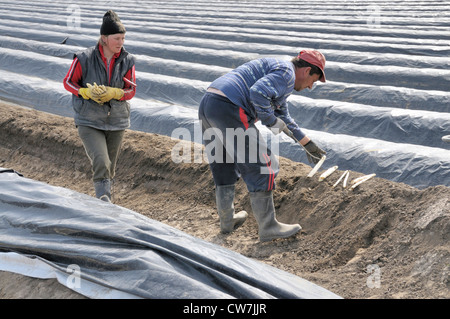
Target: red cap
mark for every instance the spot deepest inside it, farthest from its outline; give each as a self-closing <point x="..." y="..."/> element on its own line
<point x="315" y="58"/>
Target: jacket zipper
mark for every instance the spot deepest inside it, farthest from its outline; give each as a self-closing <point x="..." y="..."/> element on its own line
<point x="108" y="62"/>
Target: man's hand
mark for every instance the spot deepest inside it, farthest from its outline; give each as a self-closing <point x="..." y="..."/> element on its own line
<point x="278" y="127"/>
<point x="314" y="153"/>
<point x="111" y="93"/>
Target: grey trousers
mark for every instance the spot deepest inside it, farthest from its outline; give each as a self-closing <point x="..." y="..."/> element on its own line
<point x="102" y="148"/>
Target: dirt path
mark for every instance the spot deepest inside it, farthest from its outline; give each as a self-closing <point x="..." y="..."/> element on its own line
<point x="381" y="240"/>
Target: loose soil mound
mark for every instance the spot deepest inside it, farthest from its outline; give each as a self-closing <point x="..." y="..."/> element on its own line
<point x="381" y="240"/>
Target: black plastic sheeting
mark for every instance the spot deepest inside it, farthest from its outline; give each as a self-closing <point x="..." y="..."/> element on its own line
<point x="384" y="109"/>
<point x="401" y="156"/>
<point x="121" y="250"/>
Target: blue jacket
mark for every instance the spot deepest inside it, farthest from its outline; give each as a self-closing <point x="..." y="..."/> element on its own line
<point x="261" y="87"/>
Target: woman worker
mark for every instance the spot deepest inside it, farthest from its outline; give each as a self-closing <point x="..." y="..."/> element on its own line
<point x="102" y="81"/>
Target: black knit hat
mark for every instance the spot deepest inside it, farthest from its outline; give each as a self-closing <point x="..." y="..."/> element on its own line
<point x="111" y="24"/>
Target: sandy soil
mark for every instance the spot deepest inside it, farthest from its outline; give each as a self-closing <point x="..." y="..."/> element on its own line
<point x="381" y="240"/>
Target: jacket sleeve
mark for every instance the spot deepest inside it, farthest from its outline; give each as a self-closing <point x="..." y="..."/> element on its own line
<point x="262" y="93"/>
<point x="283" y="113"/>
<point x="273" y="86"/>
<point x="73" y="78"/>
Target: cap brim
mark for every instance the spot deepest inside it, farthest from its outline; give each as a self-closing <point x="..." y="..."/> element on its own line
<point x="322" y="78"/>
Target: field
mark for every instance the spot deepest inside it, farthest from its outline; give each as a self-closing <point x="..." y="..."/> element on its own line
<point x="383" y="110"/>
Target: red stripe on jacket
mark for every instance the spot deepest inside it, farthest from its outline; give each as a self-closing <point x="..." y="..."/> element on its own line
<point x="243" y="117"/>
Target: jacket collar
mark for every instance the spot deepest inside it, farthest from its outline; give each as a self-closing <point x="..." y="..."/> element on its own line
<point x="114" y="57"/>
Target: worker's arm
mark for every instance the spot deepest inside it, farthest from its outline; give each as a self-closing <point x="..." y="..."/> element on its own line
<point x="73" y="78"/>
<point x="282" y="112"/>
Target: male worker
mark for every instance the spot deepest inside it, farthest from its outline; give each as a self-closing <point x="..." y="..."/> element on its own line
<point x="257" y="90"/>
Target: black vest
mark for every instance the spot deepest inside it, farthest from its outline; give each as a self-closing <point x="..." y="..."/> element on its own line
<point x="111" y="116"/>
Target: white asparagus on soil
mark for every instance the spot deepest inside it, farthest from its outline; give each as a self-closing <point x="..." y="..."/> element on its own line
<point x="340" y="178"/>
<point x="361" y="179"/>
<point x="346" y="179"/>
<point x="316" y="168"/>
<point x="327" y="173"/>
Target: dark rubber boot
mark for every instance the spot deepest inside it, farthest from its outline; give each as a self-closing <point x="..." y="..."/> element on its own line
<point x="264" y="211"/>
<point x="103" y="190"/>
<point x="229" y="221"/>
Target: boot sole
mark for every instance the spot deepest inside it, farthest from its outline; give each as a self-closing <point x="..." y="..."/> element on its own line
<point x="266" y="239"/>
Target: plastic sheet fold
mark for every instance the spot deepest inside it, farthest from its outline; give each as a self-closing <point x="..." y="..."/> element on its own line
<point x="123" y="252"/>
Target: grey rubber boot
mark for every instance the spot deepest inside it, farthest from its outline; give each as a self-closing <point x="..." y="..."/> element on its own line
<point x="103" y="190"/>
<point x="229" y="221"/>
<point x="264" y="211"/>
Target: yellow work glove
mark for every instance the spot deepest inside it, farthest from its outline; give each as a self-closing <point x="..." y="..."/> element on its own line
<point x="85" y="93"/>
<point x="111" y="93"/>
<point x="93" y="92"/>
